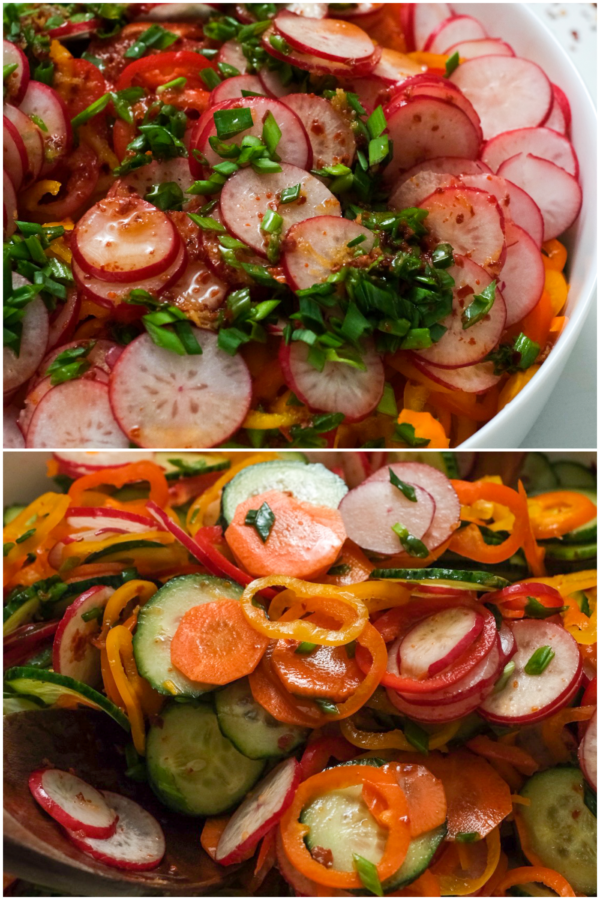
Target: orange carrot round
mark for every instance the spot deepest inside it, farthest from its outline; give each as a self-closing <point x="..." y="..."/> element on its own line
<point x="324" y="672"/>
<point x="425" y="795"/>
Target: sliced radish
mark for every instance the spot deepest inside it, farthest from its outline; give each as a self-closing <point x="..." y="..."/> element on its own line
<point x="436" y="88"/>
<point x="461" y="346"/>
<point x="156" y="172"/>
<point x="563" y="101"/>
<point x="73" y="653"/>
<point x="372" y="509"/>
<point x="101" y="354"/>
<point x="542" y="142"/>
<point x="123" y="239"/>
<point x="75" y="414"/>
<point x="14" y="155"/>
<point x="261" y="809"/>
<point x="557" y="193"/>
<point x="556" y="118"/>
<point x="478" y="683"/>
<point x="588" y="752"/>
<point x="435" y="715"/>
<point x="79" y="517"/>
<point x="530" y="698"/>
<point x="272" y="83"/>
<point x="44" y="102"/>
<point x="333" y="39"/>
<point x="198" y="292"/>
<point x="10" y="206"/>
<point x="339" y="387"/>
<point x="522" y="278"/>
<point x="64" y="319"/>
<point x="137" y="844"/>
<point x="426" y="17"/>
<point x="317" y="247"/>
<point x="310" y="62"/>
<point x="35" y="395"/>
<point x="17" y="81"/>
<point x="75" y="30"/>
<point x="329" y="133"/>
<point x="508" y="92"/>
<point x="394" y="67"/>
<point x="514" y="202"/>
<point x="426" y="127"/>
<point x="471" y="221"/>
<point x="161" y="399"/>
<point x="476" y="379"/>
<point x="414" y="185"/>
<point x="73" y="803"/>
<point x="371" y="90"/>
<point x="293" y="148"/>
<point x="247" y="196"/>
<point x="231" y="54"/>
<point x="34" y="339"/>
<point x="359" y="11"/>
<point x="232" y="88"/>
<point x="437" y="641"/>
<point x="32" y="141"/>
<point x="447" y="507"/>
<point x="12" y="435"/>
<point x="82" y="462"/>
<point x="453" y="30"/>
<point x="482" y="47"/>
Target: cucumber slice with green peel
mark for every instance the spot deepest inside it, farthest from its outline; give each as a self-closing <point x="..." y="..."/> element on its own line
<point x="421" y="851"/>
<point x="445" y="460"/>
<point x="514" y="569"/>
<point x="308" y="482"/>
<point x="192" y="767"/>
<point x="456" y="578"/>
<point x="250" y="728"/>
<point x="50" y="688"/>
<point x="530" y="890"/>
<point x="204" y="463"/>
<point x="559" y="828"/>
<point x="11" y="512"/>
<point x="14" y="703"/>
<point x="537" y="474"/>
<point x="159" y="619"/>
<point x="574" y="475"/>
<point x="125" y="547"/>
<point x="570" y="552"/>
<point x="588" y="531"/>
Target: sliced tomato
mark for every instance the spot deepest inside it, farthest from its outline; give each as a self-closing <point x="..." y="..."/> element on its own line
<point x="79" y="83"/>
<point x="123" y="134"/>
<point x="151" y="72"/>
<point x="79" y="173"/>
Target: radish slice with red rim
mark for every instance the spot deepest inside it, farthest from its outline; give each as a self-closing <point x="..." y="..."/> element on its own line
<point x="73" y="653"/>
<point x="34" y="339"/>
<point x="437" y="89"/>
<point x="162" y="399"/>
<point x="82" y="462"/>
<point x="14" y="155"/>
<point x="413" y="186"/>
<point x="437" y="641"/>
<point x="426" y="18"/>
<point x="12" y="435"/>
<point x="477" y="684"/>
<point x="556" y="119"/>
<point x="557" y="193"/>
<point x="309" y="62"/>
<point x="64" y="319"/>
<point x="447" y="507"/>
<point x="80" y="517"/>
<point x="231" y="54"/>
<point x="542" y="142"/>
<point x="372" y="509"/>
<point x="561" y="99"/>
<point x="261" y="809"/>
<point x="272" y="84"/>
<point x="339" y="387"/>
<point x="101" y="354"/>
<point x="529" y="698"/>
<point x="32" y="141"/>
<point x="476" y="379"/>
<point x="508" y="92"/>
<point x="123" y="239"/>
<point x="453" y="30"/>
<point x="427" y="127"/>
<point x="471" y="221"/>
<point x="436" y="715"/>
<point x="523" y="274"/>
<point x="330" y="135"/>
<point x="333" y="39"/>
<point x="515" y="203"/>
<point x="75" y="414"/>
<point x="10" y="206"/>
<point x="159" y="170"/>
<point x="17" y="82"/>
<point x="394" y="67"/>
<point x="198" y="292"/>
<point x="482" y="47"/>
<point x="247" y="196"/>
<point x="588" y="752"/>
<point x="319" y="246"/>
<point x="461" y="346"/>
<point x="137" y="844"/>
<point x="231" y="88"/>
<point x="46" y="104"/>
<point x="73" y="803"/>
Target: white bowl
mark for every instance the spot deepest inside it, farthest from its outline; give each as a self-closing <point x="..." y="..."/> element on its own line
<point x="530" y="38"/>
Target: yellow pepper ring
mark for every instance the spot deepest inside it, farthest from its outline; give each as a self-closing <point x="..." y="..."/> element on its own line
<point x="118" y="643"/>
<point x="314" y="598"/>
<point x="378" y="595"/>
<point x="393" y="740"/>
<point x="462" y="885"/>
<point x="86" y="548"/>
<point x="143" y="590"/>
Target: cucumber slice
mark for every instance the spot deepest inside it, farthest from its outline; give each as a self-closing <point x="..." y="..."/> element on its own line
<point x="570" y="552"/>
<point x="537" y="473"/>
<point x="530" y="890"/>
<point x="51" y="689"/>
<point x="421" y="851"/>
<point x="192" y="767"/>
<point x="310" y="482"/>
<point x="589" y="531"/>
<point x="456" y="578"/>
<point x="13" y="703"/>
<point x="205" y="463"/>
<point x="559" y="827"/>
<point x="446" y="461"/>
<point x="158" y="621"/>
<point x="250" y="728"/>
<point x="574" y="475"/>
<point x="125" y="547"/>
<point x="11" y="512"/>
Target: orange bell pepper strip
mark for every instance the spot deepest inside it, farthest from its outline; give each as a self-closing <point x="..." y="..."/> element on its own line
<point x="469" y="542"/>
<point x="536" y="324"/>
<point x="520" y="759"/>
<point x="477" y="407"/>
<point x="557" y="288"/>
<point x="29" y="530"/>
<point x="386" y="802"/>
<point x="553" y="729"/>
<point x="426" y="885"/>
<point x="122" y="475"/>
<point x="425" y="427"/>
<point x="197" y="512"/>
<point x="425" y="796"/>
<point x="554" y="255"/>
<point x="454" y="867"/>
<point x="514" y="385"/>
<point x="558" y="512"/>
<point x="351" y="567"/>
<point x="395" y="739"/>
<point x="536" y="875"/>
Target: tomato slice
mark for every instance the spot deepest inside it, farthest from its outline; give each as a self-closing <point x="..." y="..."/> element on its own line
<point x="81" y="170"/>
<point x="79" y="83"/>
<point x="151" y="72"/>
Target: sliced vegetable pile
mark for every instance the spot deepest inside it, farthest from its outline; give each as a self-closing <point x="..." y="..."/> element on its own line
<point x="265" y="228"/>
<point x="373" y="675"/>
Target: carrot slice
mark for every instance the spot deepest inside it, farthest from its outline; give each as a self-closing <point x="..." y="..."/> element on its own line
<point x="304" y="540"/>
<point x="427" y="808"/>
<point x="214" y="643"/>
<point x="517" y="757"/>
<point x="325" y="672"/>
<point x="268" y="690"/>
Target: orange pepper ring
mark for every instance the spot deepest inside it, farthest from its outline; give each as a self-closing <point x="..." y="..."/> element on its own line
<point x="122" y="475"/>
<point x="557" y="512"/>
<point x="394" y="817"/>
<point x="469" y="542"/>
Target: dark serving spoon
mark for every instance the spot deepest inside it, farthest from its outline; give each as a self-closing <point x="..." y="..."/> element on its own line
<point x="36" y="847"/>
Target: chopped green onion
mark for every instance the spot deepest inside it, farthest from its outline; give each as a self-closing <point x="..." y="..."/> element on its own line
<point x="266" y="166"/>
<point x="272" y="222"/>
<point x="166" y="195"/>
<point x="467" y="837"/>
<point x="412" y="545"/>
<point x="96" y="613"/>
<point x="407" y="489"/>
<point x="508" y="670"/>
<point x="539" y="661"/>
<point x="406" y="432"/>
<point x="536" y="610"/>
<point x="387" y="405"/>
<point x="376" y="123"/>
<point x="528" y="350"/>
<point x="416" y="736"/>
<point x="210" y="78"/>
<point x="271" y="135"/>
<point x="9" y="69"/>
<point x="230" y="122"/>
<point x="479" y="306"/>
<point x="177" y="84"/>
<point x="207" y="223"/>
<point x="367" y="872"/>
<point x="306" y="647"/>
<point x="280" y="44"/>
<point x="417" y="339"/>
<point x="326" y="706"/>
<point x="227" y="71"/>
<point x="154" y="38"/>
<point x="452" y="64"/>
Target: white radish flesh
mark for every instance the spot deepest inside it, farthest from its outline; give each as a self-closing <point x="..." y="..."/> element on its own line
<point x="231" y="54"/>
<point x="556" y="119"/>
<point x="435" y="715"/>
<point x="557" y="193"/>
<point x="426" y="18"/>
<point x="476" y="379"/>
<point x="437" y="641"/>
<point x="73" y="653"/>
<point x="32" y="141"/>
<point x="44" y="102"/>
<point x="310" y="62"/>
<point x="12" y="435"/>
<point x="14" y="155"/>
<point x="231" y="88"/>
<point x="542" y="142"/>
<point x="477" y="683"/>
<point x="17" y="82"/>
<point x="483" y="47"/>
<point x="332" y="39"/>
<point x="137" y="844"/>
<point x="103" y="517"/>
<point x="414" y="185"/>
<point x="508" y="92"/>
<point x="63" y="321"/>
<point x="372" y="509"/>
<point x="317" y="247"/>
<point x="82" y="462"/>
<point x="73" y="803"/>
<point x="339" y="387"/>
<point x="515" y="203"/>
<point x="159" y="170"/>
<point x="453" y="30"/>
<point x="247" y="196"/>
<point x="75" y="414"/>
<point x="436" y="88"/>
<point x="272" y="85"/>
<point x="394" y="67"/>
<point x="34" y="339"/>
<point x="10" y="206"/>
<point x="530" y="698"/>
<point x="522" y="278"/>
<point x="588" y="752"/>
<point x="198" y="292"/>
<point x="164" y="400"/>
<point x="330" y="135"/>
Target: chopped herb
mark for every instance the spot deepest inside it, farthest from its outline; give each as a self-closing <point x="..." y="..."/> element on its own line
<point x="467" y="837"/>
<point x="272" y="222"/>
<point x="536" y="610"/>
<point x="387" y="405"/>
<point x="326" y="706"/>
<point x="121" y="100"/>
<point x="207" y="223"/>
<point x="412" y="545"/>
<point x="406" y="432"/>
<point x="452" y="64"/>
<point x="290" y="194"/>
<point x="8" y="70"/>
<point x="376" y="123"/>
<point x="154" y="38"/>
<point x="264" y="166"/>
<point x="230" y="122"/>
<point x="407" y="489"/>
<point x="280" y="44"/>
<point x="166" y="195"/>
<point x="539" y="661"/>
<point x="416" y="736"/>
<point x="210" y="78"/>
<point x="271" y="135"/>
<point x="507" y="674"/>
<point x="177" y="84"/>
<point x="443" y="256"/>
<point x="8" y="547"/>
<point x="96" y="613"/>
<point x="262" y="520"/>
<point x="479" y="306"/>
<point x="306" y="647"/>
<point x="359" y="239"/>
<point x="69" y="364"/>
<point x="367" y="872"/>
<point x="25" y="536"/>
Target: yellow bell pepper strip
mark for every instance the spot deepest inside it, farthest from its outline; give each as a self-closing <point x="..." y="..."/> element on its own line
<point x="536" y="875"/>
<point x="514" y="385"/>
<point x="557" y="289"/>
<point x="119" y="646"/>
<point x="415" y="396"/>
<point x="82" y="549"/>
<point x="393" y="740"/>
<point x="122" y="475"/>
<point x="28" y="531"/>
<point x="557" y="512"/>
<point x="387" y="803"/>
<point x="58" y="52"/>
<point x="469" y="542"/>
<point x="341" y="603"/>
<point x="32" y="196"/>
<point x="262" y="421"/>
<point x="554" y="255"/>
<point x="426" y="427"/>
<point x="476" y="407"/>
<point x="431" y="60"/>
<point x="581" y="627"/>
<point x="197" y="512"/>
<point x="534" y="554"/>
<point x="454" y="866"/>
<point x="135" y="589"/>
<point x="553" y="729"/>
<point x="378" y="595"/>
